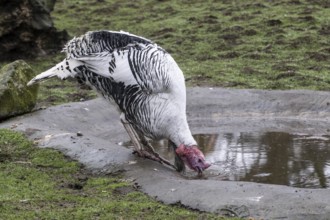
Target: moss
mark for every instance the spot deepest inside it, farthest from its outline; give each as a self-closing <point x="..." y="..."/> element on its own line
<point x="15" y="97"/>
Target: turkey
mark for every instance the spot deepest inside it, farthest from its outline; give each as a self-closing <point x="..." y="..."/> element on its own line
<point x="145" y="84"/>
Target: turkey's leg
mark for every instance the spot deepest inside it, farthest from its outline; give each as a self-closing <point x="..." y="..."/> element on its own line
<point x="141" y="145"/>
<point x="134" y="137"/>
<point x="151" y="150"/>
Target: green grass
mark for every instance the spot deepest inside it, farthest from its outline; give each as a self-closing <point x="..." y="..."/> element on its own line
<point x="259" y="44"/>
<point x="282" y="44"/>
<point x="43" y="184"/>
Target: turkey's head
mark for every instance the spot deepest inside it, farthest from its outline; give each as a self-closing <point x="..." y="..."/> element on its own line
<point x="192" y="157"/>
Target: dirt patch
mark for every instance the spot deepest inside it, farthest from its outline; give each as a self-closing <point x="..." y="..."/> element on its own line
<point x="201" y="80"/>
<point x="77" y="182"/>
<point x="230" y="37"/>
<point x="315" y="68"/>
<point x="274" y="22"/>
<point x="255" y="55"/>
<point x="57" y="86"/>
<point x="164" y="33"/>
<point x="284" y="67"/>
<point x="307" y="18"/>
<point x="322" y="3"/>
<point x="234" y="29"/>
<point x="124" y="190"/>
<point x="230" y="55"/>
<point x="255" y="5"/>
<point x="280" y="39"/>
<point x="210" y="19"/>
<point x="289" y="73"/>
<point x="75" y="186"/>
<point x="325" y="50"/>
<point x="303" y="40"/>
<point x="214" y="28"/>
<point x="325" y="30"/>
<point x="5" y="157"/>
<point x="317" y="56"/>
<point x="250" y="32"/>
<point x="294" y="2"/>
<point x="107" y="10"/>
<point x="243" y="17"/>
<point x="250" y="70"/>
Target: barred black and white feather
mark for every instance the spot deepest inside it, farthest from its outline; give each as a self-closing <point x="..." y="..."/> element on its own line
<point x="135" y="74"/>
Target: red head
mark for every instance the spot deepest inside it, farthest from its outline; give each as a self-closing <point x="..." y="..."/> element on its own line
<point x="192" y="157"/>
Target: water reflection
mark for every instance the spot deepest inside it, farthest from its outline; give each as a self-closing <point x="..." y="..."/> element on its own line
<point x="298" y="160"/>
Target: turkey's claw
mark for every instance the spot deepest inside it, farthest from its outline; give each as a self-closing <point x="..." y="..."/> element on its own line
<point x="153" y="156"/>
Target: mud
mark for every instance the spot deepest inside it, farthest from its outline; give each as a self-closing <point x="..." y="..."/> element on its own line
<point x="89" y="132"/>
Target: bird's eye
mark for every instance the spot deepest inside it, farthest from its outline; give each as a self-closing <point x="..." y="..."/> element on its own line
<point x="200" y="160"/>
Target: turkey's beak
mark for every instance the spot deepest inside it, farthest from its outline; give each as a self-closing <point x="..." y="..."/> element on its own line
<point x="200" y="171"/>
<point x="193" y="158"/>
<point x="202" y="165"/>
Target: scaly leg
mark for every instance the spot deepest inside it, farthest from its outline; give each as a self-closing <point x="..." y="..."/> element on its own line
<point x="134" y="137"/>
<point x="141" y="145"/>
<point x="151" y="150"/>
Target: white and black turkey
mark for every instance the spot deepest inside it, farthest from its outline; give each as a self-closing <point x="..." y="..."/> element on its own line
<point x="143" y="81"/>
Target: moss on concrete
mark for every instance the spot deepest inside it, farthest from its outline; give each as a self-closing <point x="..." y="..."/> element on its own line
<point x="15" y="97"/>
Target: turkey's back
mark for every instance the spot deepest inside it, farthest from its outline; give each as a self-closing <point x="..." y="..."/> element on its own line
<point x="139" y="77"/>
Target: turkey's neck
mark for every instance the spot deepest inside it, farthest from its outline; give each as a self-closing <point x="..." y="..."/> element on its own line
<point x="182" y="134"/>
<point x="178" y="128"/>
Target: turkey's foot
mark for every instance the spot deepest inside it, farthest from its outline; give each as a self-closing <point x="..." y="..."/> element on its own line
<point x="153" y="156"/>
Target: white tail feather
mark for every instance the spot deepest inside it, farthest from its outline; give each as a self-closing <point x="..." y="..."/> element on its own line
<point x="62" y="70"/>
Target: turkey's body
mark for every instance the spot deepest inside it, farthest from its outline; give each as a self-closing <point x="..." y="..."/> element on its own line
<point x="139" y="77"/>
<point x="149" y="98"/>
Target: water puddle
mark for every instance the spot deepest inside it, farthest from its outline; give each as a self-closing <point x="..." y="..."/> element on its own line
<point x="298" y="160"/>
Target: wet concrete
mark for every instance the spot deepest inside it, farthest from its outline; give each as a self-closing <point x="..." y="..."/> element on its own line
<point x="210" y="110"/>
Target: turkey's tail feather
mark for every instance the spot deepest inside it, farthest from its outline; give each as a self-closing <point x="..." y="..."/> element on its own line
<point x="62" y="70"/>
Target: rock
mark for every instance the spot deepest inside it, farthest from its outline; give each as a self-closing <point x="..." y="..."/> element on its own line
<point x="27" y="30"/>
<point x="15" y="97"/>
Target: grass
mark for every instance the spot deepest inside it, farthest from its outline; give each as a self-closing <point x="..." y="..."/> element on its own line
<point x="258" y="44"/>
<point x="241" y="44"/>
<point x="43" y="184"/>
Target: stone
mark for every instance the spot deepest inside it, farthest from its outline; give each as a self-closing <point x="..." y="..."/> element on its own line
<point x="27" y="29"/>
<point x="15" y="96"/>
